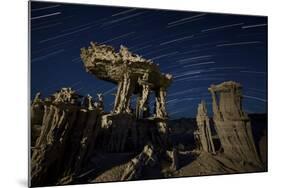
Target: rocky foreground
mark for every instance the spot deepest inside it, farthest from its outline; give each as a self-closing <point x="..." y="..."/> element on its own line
<point x="72" y="144"/>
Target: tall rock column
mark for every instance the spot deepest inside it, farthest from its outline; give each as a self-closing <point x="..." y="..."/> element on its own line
<point x="124" y="93"/>
<point x="232" y="123"/>
<point x="161" y="103"/>
<point x="161" y="115"/>
<point x="204" y="129"/>
<point x="142" y="102"/>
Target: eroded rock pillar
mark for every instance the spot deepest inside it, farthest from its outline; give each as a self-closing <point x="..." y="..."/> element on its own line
<point x="161" y="115"/>
<point x="124" y="93"/>
<point x="204" y="129"/>
<point x="232" y="123"/>
<point x="161" y="103"/>
<point x="142" y="101"/>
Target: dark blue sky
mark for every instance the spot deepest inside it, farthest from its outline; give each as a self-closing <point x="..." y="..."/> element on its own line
<point x="197" y="48"/>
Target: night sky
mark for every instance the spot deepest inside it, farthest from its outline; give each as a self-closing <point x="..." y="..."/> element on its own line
<point x="197" y="48"/>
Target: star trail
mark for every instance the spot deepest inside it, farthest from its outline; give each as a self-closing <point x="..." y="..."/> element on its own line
<point x="198" y="49"/>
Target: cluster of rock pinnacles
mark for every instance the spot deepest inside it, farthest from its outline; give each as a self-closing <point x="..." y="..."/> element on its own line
<point x="68" y="129"/>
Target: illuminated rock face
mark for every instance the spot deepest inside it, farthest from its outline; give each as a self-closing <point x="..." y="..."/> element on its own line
<point x="204" y="130"/>
<point x="134" y="168"/>
<point x="133" y="75"/>
<point x="232" y="123"/>
<point x="64" y="134"/>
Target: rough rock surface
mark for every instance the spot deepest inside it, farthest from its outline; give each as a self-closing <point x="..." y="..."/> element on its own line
<point x="133" y="75"/>
<point x="36" y="117"/>
<point x="232" y="123"/>
<point x="173" y="156"/>
<point x="134" y="168"/>
<point x="204" y="130"/>
<point x="115" y="129"/>
<point x="67" y="134"/>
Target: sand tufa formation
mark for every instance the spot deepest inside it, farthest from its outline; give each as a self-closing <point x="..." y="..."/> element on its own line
<point x="232" y="123"/>
<point x="133" y="75"/>
<point x="73" y="140"/>
<point x="204" y="130"/>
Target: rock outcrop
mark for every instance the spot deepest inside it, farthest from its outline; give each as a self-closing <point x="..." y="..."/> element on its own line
<point x="204" y="130"/>
<point x="36" y="117"/>
<point x="134" y="168"/>
<point x="115" y="129"/>
<point x="173" y="158"/>
<point x="232" y="123"/>
<point x="133" y="75"/>
<point x="67" y="136"/>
